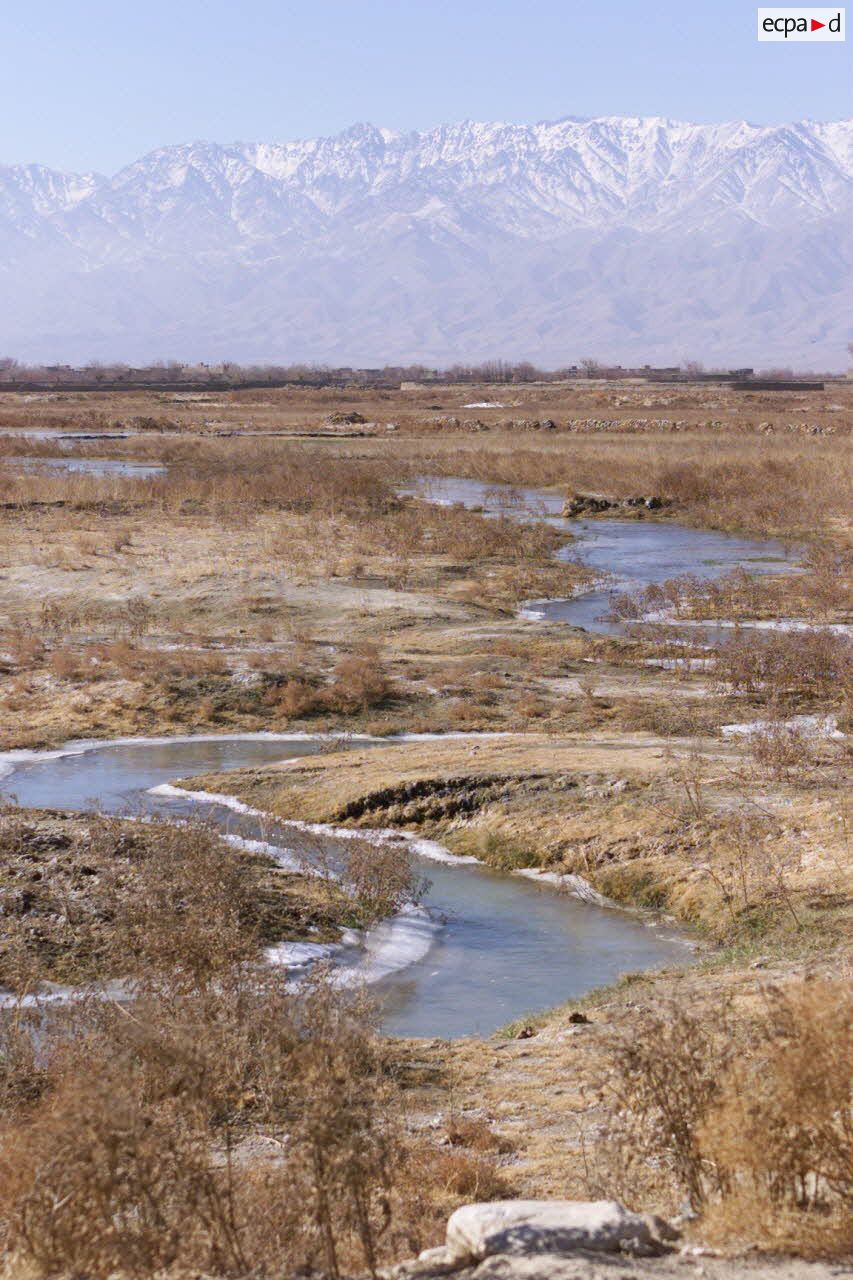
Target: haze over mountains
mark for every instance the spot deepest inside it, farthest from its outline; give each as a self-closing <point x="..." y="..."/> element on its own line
<point x="625" y="239"/>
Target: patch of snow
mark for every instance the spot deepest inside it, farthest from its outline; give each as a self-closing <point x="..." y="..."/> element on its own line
<point x="438" y="853"/>
<point x="168" y="790"/>
<point x="420" y="847"/>
<point x="814" y="726"/>
<point x="676" y="664"/>
<point x="246" y="678"/>
<point x="53" y="993"/>
<point x="300" y="956"/>
<point x="284" y="857"/>
<point x="483" y="404"/>
<point x="756" y="624"/>
<point x="573" y="884"/>
<point x="380" y="835"/>
<point x="395" y="944"/>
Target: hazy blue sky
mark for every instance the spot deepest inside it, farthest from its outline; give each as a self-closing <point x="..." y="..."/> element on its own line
<point x="93" y="84"/>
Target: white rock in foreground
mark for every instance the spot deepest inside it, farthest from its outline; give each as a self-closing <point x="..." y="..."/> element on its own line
<point x="518" y="1227"/>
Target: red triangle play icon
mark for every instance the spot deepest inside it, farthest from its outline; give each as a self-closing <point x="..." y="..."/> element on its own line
<point x="817" y="25"/>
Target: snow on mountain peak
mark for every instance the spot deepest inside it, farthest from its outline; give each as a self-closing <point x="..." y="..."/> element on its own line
<point x="475" y="237"/>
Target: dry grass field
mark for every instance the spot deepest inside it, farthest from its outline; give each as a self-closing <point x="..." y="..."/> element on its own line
<point x="271" y="576"/>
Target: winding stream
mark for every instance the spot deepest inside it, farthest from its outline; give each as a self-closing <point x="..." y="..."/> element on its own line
<point x="632" y="553"/>
<point x="490" y="947"/>
<point x="508" y="946"/>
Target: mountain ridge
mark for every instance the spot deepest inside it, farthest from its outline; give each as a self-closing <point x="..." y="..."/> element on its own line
<point x="622" y="237"/>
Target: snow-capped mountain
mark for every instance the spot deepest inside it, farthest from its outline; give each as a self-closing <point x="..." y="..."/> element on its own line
<point x="621" y="238"/>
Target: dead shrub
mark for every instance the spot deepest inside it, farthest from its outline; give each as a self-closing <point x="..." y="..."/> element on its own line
<point x="122" y="1126"/>
<point x="780" y="1135"/>
<point x="752" y="1120"/>
<point x="25" y="647"/>
<point x="828" y="569"/>
<point x="22" y="1068"/>
<point x="475" y="1134"/>
<point x="186" y="922"/>
<point x="379" y="878"/>
<point x="753" y="865"/>
<point x="671" y="718"/>
<point x="158" y="904"/>
<point x="294" y="698"/>
<point x="127" y="1162"/>
<point x="783" y="750"/>
<point x="66" y="664"/>
<point x="121" y="656"/>
<point x="784" y="666"/>
<point x="358" y="682"/>
<point x="139" y="616"/>
<point x="464" y="1175"/>
<point x="659" y="1089"/>
<point x="98" y="1182"/>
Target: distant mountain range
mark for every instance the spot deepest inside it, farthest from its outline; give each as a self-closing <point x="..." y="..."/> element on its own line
<point x="624" y="239"/>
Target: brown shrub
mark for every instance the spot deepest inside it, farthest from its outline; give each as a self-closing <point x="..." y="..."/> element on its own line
<point x="379" y="879"/>
<point x="358" y="681"/>
<point x="294" y="698"/>
<point x="66" y="664"/>
<point x="127" y="1162"/>
<point x="752" y="1120"/>
<point x="159" y="903"/>
<point x="780" y="1136"/>
<point x="99" y="1182"/>
<point x="22" y="1068"/>
<point x="660" y="1087"/>
<point x="784" y="666"/>
<point x="783" y="750"/>
<point x="26" y="648"/>
<point x="122" y="1126"/>
<point x="186" y="920"/>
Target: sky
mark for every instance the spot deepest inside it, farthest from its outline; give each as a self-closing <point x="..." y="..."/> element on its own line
<point x="94" y="84"/>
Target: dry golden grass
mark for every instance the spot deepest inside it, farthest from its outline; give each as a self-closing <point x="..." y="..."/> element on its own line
<point x="218" y="1121"/>
<point x="126" y="1161"/>
<point x="788" y="487"/>
<point x="788" y="667"/>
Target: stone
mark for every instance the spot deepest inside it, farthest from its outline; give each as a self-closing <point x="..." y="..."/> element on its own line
<point x="354" y="418"/>
<point x="524" y="1227"/>
<point x="595" y="502"/>
<point x="586" y="502"/>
